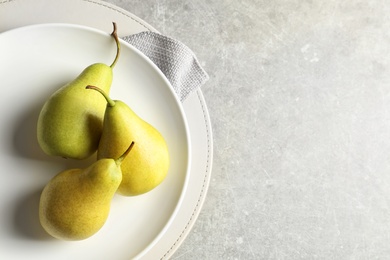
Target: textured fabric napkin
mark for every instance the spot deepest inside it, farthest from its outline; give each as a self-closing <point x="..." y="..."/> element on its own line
<point x="176" y="61"/>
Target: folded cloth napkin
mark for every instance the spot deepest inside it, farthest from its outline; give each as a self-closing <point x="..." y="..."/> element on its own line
<point x="176" y="61"/>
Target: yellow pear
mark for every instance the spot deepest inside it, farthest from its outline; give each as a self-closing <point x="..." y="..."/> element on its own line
<point x="71" y="120"/>
<point x="75" y="204"/>
<point x="149" y="163"/>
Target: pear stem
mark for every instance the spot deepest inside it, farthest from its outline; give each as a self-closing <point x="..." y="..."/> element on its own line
<point x="110" y="101"/>
<point x="123" y="156"/>
<point x="118" y="45"/>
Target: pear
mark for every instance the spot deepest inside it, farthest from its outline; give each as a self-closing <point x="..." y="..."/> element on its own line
<point x="71" y="120"/>
<point x="149" y="163"/>
<point x="75" y="204"/>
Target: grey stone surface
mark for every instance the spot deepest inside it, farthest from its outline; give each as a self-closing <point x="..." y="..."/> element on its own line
<point x="299" y="99"/>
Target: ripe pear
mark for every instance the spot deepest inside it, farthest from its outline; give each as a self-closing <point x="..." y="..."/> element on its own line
<point x="71" y="120"/>
<point x="149" y="163"/>
<point x="75" y="204"/>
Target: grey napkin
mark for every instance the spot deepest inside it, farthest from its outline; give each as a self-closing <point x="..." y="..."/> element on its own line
<point x="176" y="61"/>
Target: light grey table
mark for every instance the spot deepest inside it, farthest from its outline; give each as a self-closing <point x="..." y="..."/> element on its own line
<point x="299" y="100"/>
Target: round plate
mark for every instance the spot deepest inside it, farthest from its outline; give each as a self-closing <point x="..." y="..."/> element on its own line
<point x="98" y="14"/>
<point x="50" y="56"/>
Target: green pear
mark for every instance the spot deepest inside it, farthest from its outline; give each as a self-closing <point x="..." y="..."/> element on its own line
<point x="75" y="203"/>
<point x="71" y="120"/>
<point x="149" y="163"/>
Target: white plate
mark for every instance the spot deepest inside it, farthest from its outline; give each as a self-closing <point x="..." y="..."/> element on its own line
<point x="35" y="61"/>
<point x="99" y="14"/>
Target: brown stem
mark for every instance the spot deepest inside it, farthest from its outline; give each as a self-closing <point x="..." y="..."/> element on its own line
<point x="118" y="46"/>
<point x="110" y="101"/>
<point x="120" y="159"/>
